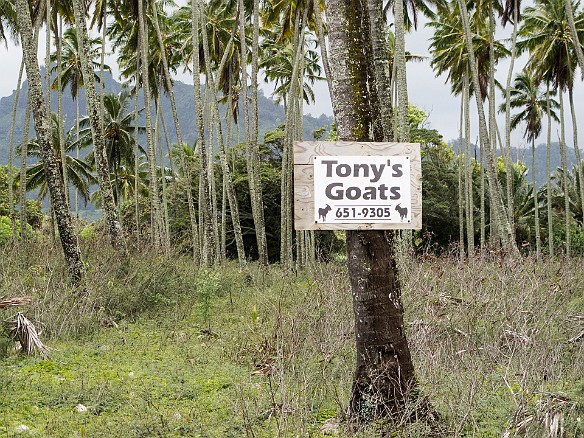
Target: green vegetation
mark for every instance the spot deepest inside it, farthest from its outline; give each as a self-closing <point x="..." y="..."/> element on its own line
<point x="161" y="348"/>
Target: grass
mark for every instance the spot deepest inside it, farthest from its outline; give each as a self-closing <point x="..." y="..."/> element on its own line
<point x="159" y="348"/>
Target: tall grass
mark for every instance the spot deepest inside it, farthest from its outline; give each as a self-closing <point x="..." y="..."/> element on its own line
<point x="495" y="345"/>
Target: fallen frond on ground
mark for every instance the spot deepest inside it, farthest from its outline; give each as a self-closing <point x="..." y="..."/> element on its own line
<point x="24" y="331"/>
<point x="13" y="302"/>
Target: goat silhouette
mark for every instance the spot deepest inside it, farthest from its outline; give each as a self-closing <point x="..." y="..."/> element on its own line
<point x="403" y="211"/>
<point x="322" y="212"/>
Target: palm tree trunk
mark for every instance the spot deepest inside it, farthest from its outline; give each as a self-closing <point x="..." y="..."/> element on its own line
<point x="11" y="202"/>
<point x="563" y="159"/>
<point x="384" y="376"/>
<point x="216" y="121"/>
<point x="381" y="54"/>
<point x="136" y="158"/>
<point x="506" y="234"/>
<point x="322" y="44"/>
<point x="574" y="32"/>
<point x="508" y="162"/>
<point x="113" y="226"/>
<point x="169" y="87"/>
<point x="468" y="171"/>
<point x="460" y="187"/>
<point x="535" y="203"/>
<point x="209" y="255"/>
<point x="165" y="218"/>
<point x="156" y="226"/>
<point x="23" y="155"/>
<point x="58" y="41"/>
<point x="549" y="178"/>
<point x="400" y="63"/>
<point x="577" y="149"/>
<point x="43" y="129"/>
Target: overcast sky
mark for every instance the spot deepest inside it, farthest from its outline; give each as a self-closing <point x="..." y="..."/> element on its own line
<point x="425" y="90"/>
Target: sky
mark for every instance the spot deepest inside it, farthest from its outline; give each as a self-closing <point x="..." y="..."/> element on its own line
<point x="425" y="90"/>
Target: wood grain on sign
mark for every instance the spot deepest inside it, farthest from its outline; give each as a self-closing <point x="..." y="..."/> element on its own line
<point x="304" y="153"/>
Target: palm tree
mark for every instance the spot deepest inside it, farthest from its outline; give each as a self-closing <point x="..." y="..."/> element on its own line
<point x="80" y="172"/>
<point x="114" y="228"/>
<point x="526" y="96"/>
<point x="55" y="184"/>
<point x="119" y="130"/>
<point x="546" y="35"/>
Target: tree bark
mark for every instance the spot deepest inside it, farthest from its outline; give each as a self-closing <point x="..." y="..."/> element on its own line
<point x="384" y="378"/>
<point x="43" y="129"/>
<point x="506" y="234"/>
<point x="113" y="225"/>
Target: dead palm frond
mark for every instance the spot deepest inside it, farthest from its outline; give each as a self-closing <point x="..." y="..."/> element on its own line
<point x="13" y="302"/>
<point x="24" y="331"/>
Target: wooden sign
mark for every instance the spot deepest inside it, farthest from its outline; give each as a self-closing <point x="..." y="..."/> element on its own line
<point x="355" y="186"/>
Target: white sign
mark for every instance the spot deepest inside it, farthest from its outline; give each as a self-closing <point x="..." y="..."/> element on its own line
<point x="364" y="189"/>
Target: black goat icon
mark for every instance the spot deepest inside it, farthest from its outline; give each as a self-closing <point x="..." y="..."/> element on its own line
<point x="403" y="211"/>
<point x="322" y="212"/>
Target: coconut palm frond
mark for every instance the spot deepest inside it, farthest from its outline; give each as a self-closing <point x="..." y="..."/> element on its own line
<point x="25" y="332"/>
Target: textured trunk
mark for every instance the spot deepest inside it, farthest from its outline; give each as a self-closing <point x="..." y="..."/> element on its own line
<point x="228" y="189"/>
<point x="549" y="176"/>
<point x="574" y="33"/>
<point x="169" y="86"/>
<point x="507" y="148"/>
<point x="460" y="187"/>
<point x="61" y="125"/>
<point x="400" y="65"/>
<point x="506" y="234"/>
<point x="113" y="226"/>
<point x="577" y="150"/>
<point x="286" y="245"/>
<point x="563" y="159"/>
<point x="259" y="220"/>
<point x="322" y="43"/>
<point x="535" y="203"/>
<point x="43" y="129"/>
<point x="23" y="156"/>
<point x="384" y="377"/>
<point x="508" y="163"/>
<point x="205" y="207"/>
<point x="136" y="158"/>
<point x="11" y="202"/>
<point x="469" y="198"/>
<point x="156" y="223"/>
<point x="381" y="54"/>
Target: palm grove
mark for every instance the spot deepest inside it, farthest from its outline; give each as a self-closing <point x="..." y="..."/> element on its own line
<point x="229" y="193"/>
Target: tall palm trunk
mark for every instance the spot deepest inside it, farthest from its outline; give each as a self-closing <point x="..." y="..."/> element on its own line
<point x="286" y="245"/>
<point x="549" y="172"/>
<point x="229" y="190"/>
<point x="113" y="226"/>
<point x="535" y="203"/>
<point x="382" y="64"/>
<point x="259" y="220"/>
<point x="156" y="223"/>
<point x="384" y="376"/>
<point x="577" y="149"/>
<point x="574" y="32"/>
<point x="23" y="156"/>
<point x="205" y="206"/>
<point x="460" y="187"/>
<point x="400" y="64"/>
<point x="11" y="202"/>
<point x="508" y="163"/>
<point x="43" y="129"/>
<point x="58" y="42"/>
<point x="169" y="87"/>
<point x="506" y="233"/>
<point x="468" y="170"/>
<point x="563" y="159"/>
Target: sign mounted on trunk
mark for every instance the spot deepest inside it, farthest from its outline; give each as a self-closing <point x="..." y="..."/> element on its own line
<point x="351" y="185"/>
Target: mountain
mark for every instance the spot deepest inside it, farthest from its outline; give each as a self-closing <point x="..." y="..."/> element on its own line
<point x="270" y="114"/>
<point x="524" y="155"/>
